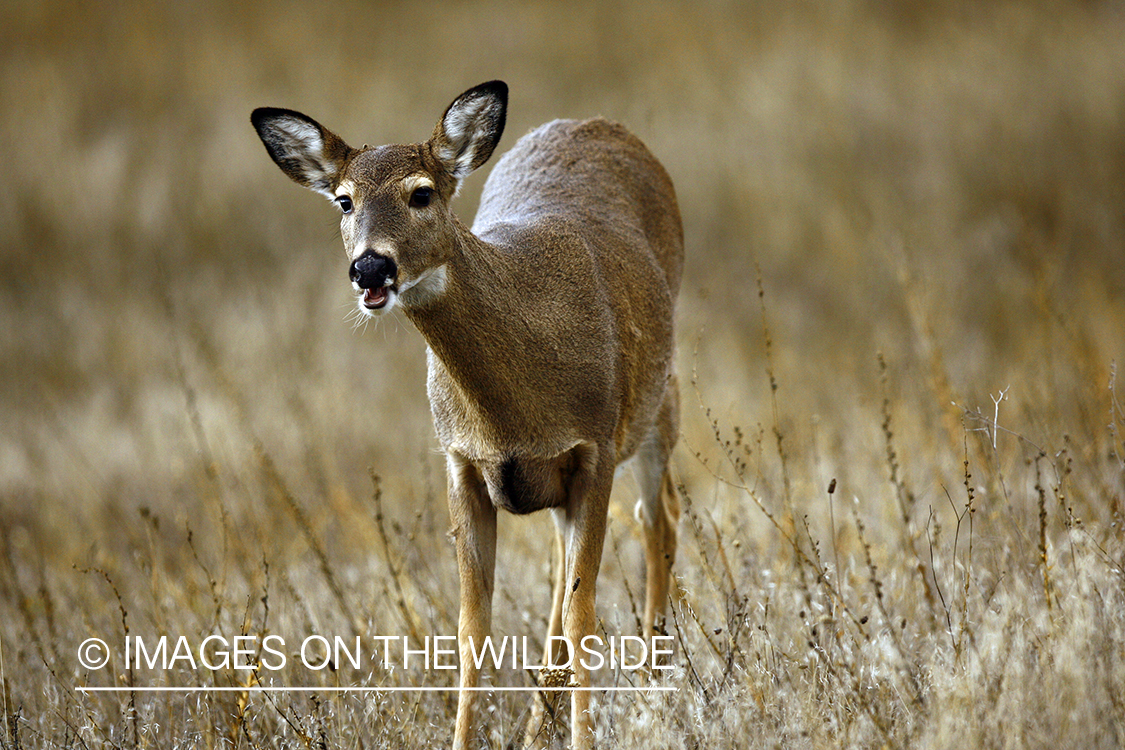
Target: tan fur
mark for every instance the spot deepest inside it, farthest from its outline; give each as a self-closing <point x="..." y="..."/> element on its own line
<point x="549" y="328"/>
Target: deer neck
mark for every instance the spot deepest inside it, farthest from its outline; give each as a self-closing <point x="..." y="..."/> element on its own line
<point x="473" y="322"/>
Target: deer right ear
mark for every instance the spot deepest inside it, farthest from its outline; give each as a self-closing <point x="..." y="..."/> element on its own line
<point x="311" y="154"/>
<point x="468" y="132"/>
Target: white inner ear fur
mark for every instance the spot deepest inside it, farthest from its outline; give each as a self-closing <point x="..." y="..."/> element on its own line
<point x="462" y="128"/>
<point x="302" y="134"/>
<point x="304" y="143"/>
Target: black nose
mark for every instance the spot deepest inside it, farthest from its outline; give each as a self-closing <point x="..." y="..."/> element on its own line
<point x="371" y="271"/>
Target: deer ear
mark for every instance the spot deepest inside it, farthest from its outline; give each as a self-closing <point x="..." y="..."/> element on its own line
<point x="311" y="154"/>
<point x="468" y="132"/>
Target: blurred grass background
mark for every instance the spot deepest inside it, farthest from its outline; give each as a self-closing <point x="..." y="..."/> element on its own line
<point x="184" y="407"/>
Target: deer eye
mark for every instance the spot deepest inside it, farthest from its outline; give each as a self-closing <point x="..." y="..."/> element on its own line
<point x="345" y="203"/>
<point x="420" y="198"/>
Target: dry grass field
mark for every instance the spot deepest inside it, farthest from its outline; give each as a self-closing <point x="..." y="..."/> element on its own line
<point x="900" y="335"/>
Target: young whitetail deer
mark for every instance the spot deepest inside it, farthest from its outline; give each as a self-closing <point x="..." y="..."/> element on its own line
<point x="549" y="328"/>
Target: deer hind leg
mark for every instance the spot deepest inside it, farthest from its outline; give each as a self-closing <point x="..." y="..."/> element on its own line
<point x="555" y="627"/>
<point x="580" y="536"/>
<point x="659" y="508"/>
<point x="585" y="539"/>
<point x="545" y="706"/>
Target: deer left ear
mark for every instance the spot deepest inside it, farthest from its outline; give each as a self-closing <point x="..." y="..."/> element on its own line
<point x="467" y="134"/>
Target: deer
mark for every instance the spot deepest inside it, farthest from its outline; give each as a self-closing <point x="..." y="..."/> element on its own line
<point x="549" y="332"/>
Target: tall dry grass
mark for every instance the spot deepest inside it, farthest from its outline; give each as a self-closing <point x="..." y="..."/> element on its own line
<point x="895" y="214"/>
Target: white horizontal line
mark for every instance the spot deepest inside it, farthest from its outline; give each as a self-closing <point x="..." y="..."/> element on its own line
<point x="271" y="689"/>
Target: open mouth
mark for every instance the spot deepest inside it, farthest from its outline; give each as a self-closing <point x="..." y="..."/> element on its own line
<point x="372" y="277"/>
<point x="375" y="299"/>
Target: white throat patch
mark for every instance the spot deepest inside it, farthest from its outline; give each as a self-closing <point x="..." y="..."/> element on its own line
<point x="424" y="289"/>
